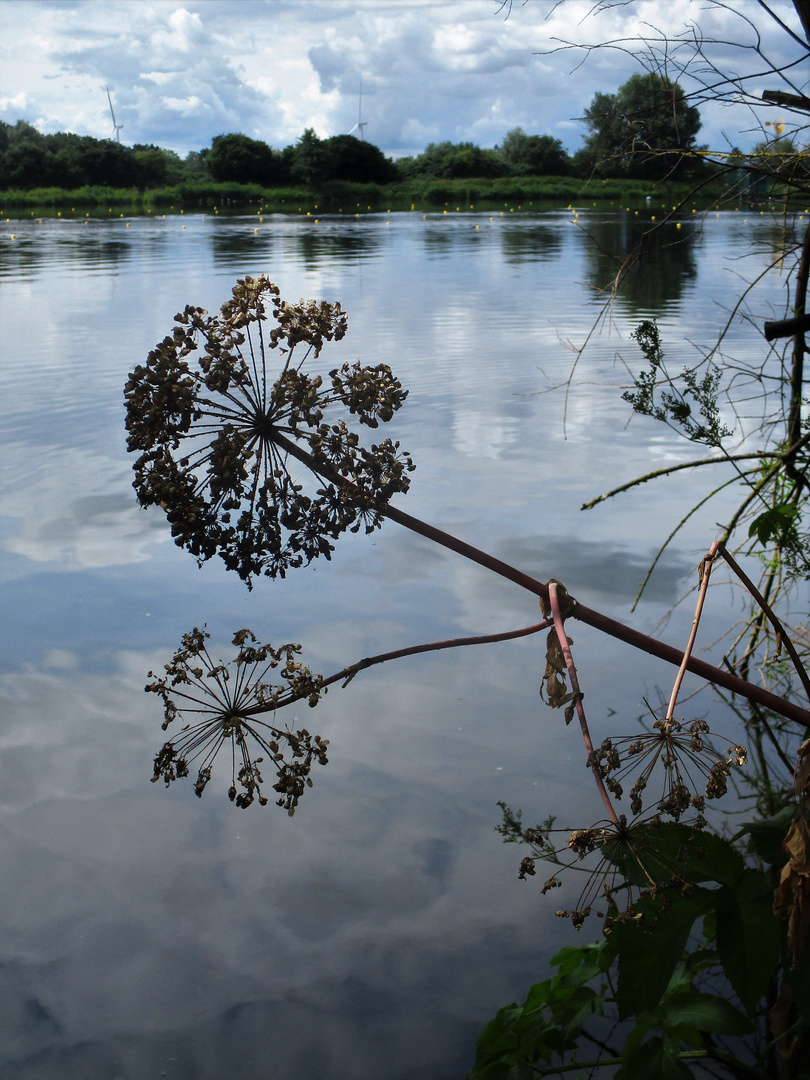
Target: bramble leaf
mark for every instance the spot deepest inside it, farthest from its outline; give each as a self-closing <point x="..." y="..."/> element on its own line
<point x="748" y="936"/>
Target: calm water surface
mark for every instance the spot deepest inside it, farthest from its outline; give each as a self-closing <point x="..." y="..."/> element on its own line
<point x="146" y="933"/>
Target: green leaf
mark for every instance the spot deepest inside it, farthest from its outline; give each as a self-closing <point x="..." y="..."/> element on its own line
<point x="777" y="521"/>
<point x="767" y="835"/>
<point x="669" y="848"/>
<point x="748" y="936"/>
<point x="505" y="1047"/>
<point x="572" y="1015"/>
<point x="708" y="857"/>
<point x="648" y="955"/>
<point x="705" y="1012"/>
<point x="657" y="1058"/>
<point x="693" y="963"/>
<point x="579" y="965"/>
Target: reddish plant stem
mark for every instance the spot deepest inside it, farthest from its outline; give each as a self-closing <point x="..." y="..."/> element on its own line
<point x="705" y="573"/>
<point x="559" y="626"/>
<point x="346" y="674"/>
<point x="596" y="619"/>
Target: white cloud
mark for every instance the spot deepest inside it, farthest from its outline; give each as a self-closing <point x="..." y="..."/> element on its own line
<point x="270" y="69"/>
<point x="18" y="102"/>
<point x="73" y="528"/>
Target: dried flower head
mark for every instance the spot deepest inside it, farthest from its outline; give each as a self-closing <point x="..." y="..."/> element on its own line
<point x="622" y="861"/>
<point x="692" y="769"/>
<point x="226" y="706"/>
<point x="225" y="444"/>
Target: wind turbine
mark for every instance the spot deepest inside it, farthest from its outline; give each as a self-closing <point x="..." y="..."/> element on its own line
<point x="361" y="123"/>
<point x="116" y="127"/>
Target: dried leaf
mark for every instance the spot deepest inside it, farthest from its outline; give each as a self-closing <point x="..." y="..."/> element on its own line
<point x="554" y="679"/>
<point x="801" y="776"/>
<point x="569" y="712"/>
<point x="795" y="884"/>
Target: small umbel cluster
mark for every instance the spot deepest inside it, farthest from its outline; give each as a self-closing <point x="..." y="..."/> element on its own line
<point x="226" y="445"/>
<point x="222" y="705"/>
<point x="687" y="760"/>
<point x="645" y="853"/>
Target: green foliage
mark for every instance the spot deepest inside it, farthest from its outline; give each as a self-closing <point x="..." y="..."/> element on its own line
<point x="643" y="130"/>
<point x="548" y="1025"/>
<point x="658" y="395"/>
<point x="534" y="155"/>
<point x="242" y="160"/>
<point x="689" y="970"/>
<point x="453" y="161"/>
<point x="777" y="523"/>
<point x="357" y="161"/>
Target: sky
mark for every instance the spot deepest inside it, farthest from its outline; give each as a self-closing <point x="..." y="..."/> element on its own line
<point x="180" y="72"/>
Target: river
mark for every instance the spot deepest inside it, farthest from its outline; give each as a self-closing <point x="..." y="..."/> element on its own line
<point x="146" y="933"/>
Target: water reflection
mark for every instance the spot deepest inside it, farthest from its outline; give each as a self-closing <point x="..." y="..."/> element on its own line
<point x="312" y="243"/>
<point x="145" y="931"/>
<point x="337" y="246"/>
<point x="235" y="246"/>
<point x="86" y="249"/>
<point x="528" y="241"/>
<point x="657" y="279"/>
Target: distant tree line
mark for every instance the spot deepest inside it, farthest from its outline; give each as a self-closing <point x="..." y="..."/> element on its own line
<point x="629" y="136"/>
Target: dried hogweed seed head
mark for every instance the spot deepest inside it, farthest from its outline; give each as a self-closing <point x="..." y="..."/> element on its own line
<point x="226" y="444"/>
<point x="228" y="710"/>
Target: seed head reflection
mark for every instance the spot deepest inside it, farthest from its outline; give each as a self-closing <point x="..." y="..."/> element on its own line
<point x="221" y="705"/>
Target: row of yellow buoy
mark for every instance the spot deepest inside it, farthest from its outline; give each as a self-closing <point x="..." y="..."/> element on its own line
<point x="316" y="221"/>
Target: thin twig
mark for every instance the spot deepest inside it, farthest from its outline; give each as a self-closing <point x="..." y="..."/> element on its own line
<point x="673" y="469"/>
<point x="345" y="675"/>
<point x="705" y="572"/>
<point x="782" y="636"/>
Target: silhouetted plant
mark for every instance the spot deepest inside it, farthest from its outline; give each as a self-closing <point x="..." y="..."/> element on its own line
<point x="217" y="431"/>
<point x="224" y="709"/>
<point x="224" y="450"/>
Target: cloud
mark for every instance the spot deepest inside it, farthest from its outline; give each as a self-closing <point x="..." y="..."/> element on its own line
<point x="74" y="527"/>
<point x="451" y="70"/>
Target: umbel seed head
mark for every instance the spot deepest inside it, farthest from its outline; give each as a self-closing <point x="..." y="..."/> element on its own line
<point x="229" y="444"/>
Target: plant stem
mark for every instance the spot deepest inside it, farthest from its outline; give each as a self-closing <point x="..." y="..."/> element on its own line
<point x="579" y="611"/>
<point x="772" y="619"/>
<point x="799" y="346"/>
<point x="705" y="573"/>
<point x="348" y="673"/>
<point x="559" y="626"/>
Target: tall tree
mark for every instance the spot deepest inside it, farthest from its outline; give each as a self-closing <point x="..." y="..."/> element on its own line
<point x="243" y="160"/>
<point x="643" y="130"/>
<point x="309" y="158"/>
<point x="534" y="155"/>
<point x="349" y="158"/>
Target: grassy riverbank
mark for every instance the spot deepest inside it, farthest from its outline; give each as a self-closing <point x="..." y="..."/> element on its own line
<point x="347" y="197"/>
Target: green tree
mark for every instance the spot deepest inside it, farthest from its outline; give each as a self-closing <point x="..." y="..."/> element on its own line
<point x="309" y="158"/>
<point x="107" y="163"/>
<point x="534" y="155"/>
<point x="349" y="158"/>
<point x="240" y="159"/>
<point x="26" y="165"/>
<point x="150" y="166"/>
<point x="452" y="161"/>
<point x="22" y="131"/>
<point x="643" y="130"/>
